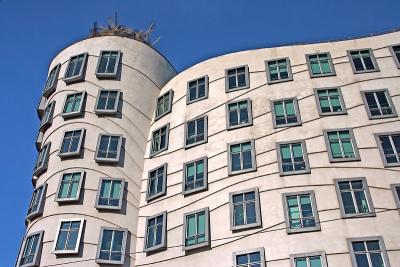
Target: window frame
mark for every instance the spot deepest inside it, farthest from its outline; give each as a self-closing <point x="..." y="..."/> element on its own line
<point x="257" y="209"/>
<point x="206" y="81"/>
<point x="121" y="197"/>
<point x="163" y="243"/>
<point x="249" y="114"/>
<point x="296" y="109"/>
<point x="373" y="59"/>
<point x="79" y="148"/>
<point x="41" y="106"/>
<point x="381" y="152"/>
<point x="207" y="241"/>
<point x="107" y="111"/>
<point x="65" y="115"/>
<point x="45" y="162"/>
<point x="353" y="142"/>
<point x="170" y="94"/>
<point x="246" y="76"/>
<point x="42" y="198"/>
<point x="391" y="49"/>
<point x="117" y="62"/>
<point x="205" y="174"/>
<point x="123" y="245"/>
<point x="39" y="140"/>
<point x="36" y="258"/>
<point x="312" y="75"/>
<point x="152" y="154"/>
<point x="44" y="124"/>
<point x="332" y="113"/>
<point x="249" y="251"/>
<point x="364" y="239"/>
<point x="205" y="140"/>
<point x="289" y="70"/>
<point x="322" y="254"/>
<point x="82" y="71"/>
<point x="314" y="207"/>
<point x="48" y="90"/>
<point x="164" y="188"/>
<point x="368" y="197"/>
<point x="119" y="148"/>
<point x="78" y="240"/>
<point x="253" y="157"/>
<point x="78" y="191"/>
<point x="305" y="157"/>
<point x="396" y="196"/>
<point x="388" y="98"/>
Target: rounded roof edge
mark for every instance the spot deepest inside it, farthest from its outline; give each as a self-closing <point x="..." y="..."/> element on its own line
<point x="118" y="36"/>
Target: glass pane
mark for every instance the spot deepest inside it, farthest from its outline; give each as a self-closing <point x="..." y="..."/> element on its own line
<point x="358" y="246"/>
<point x="251" y="212"/>
<point x="289" y="108"/>
<point x="105" y="188"/>
<point x="373" y="245"/>
<point x="362" y="260"/>
<point x="315" y="68"/>
<point x="247" y="160"/>
<point x="238" y="213"/>
<point x="348" y="203"/>
<point x="191" y="225"/>
<point x="116" y="189"/>
<point x="106" y="240"/>
<point x="278" y="106"/>
<point x="361" y="201"/>
<point x="72" y="241"/>
<point x="302" y="262"/>
<point x="241" y="259"/>
<point x="201" y="223"/>
<point x="315" y="261"/>
<point x="117" y="242"/>
<point x="377" y="260"/>
<point x="103" y="63"/>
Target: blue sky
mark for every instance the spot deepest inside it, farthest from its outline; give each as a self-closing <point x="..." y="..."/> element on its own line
<point x="32" y="32"/>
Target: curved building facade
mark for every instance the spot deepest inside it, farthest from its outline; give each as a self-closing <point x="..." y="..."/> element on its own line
<point x="285" y="156"/>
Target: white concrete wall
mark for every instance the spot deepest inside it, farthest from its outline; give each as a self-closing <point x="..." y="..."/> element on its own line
<point x="143" y="72"/>
<point x="277" y="243"/>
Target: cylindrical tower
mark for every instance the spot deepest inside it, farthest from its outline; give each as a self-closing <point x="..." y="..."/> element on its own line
<point x="95" y="116"/>
<point x="277" y="157"/>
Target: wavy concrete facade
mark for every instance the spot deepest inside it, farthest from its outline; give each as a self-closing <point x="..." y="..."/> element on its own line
<point x="278" y="244"/>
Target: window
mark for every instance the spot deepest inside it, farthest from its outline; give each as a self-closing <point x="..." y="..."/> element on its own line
<point x="164" y="104"/>
<point x="107" y="102"/>
<point x="110" y="193"/>
<point x="159" y="140"/>
<point x="378" y="104"/>
<point x="156" y="229"/>
<point x="112" y="244"/>
<point x="354" y="197"/>
<point x="238" y="114"/>
<point x="73" y="105"/>
<point x="196" y="227"/>
<point x="245" y="209"/>
<point x="68" y="236"/>
<point x="41" y="107"/>
<point x="330" y="101"/>
<point x="237" y="78"/>
<point x="320" y="65"/>
<point x="107" y="65"/>
<point x="362" y="61"/>
<point x="196" y="132"/>
<point x="389" y="148"/>
<point x="242" y="157"/>
<point x="285" y="112"/>
<point x="395" y="51"/>
<point x="315" y="259"/>
<point x="197" y="90"/>
<point x="292" y="158"/>
<point x="249" y="258"/>
<point x="69" y="187"/>
<point x="396" y="193"/>
<point x="301" y="214"/>
<point x="42" y="160"/>
<point x="108" y="148"/>
<point x="51" y="82"/>
<point x="195" y="176"/>
<point x="71" y="143"/>
<point x="76" y="68"/>
<point x="47" y="118"/>
<point x="39" y="140"/>
<point x="30" y="249"/>
<point x="368" y="252"/>
<point x="278" y="70"/>
<point x="37" y="202"/>
<point x="157" y="182"/>
<point x="341" y="145"/>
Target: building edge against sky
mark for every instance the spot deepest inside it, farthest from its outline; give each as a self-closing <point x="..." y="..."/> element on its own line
<point x="275" y="156"/>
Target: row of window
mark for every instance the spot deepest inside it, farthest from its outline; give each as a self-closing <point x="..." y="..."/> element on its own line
<point x="107" y="67"/>
<point x="279" y="70"/>
<point x="109" y="193"/>
<point x="285" y="112"/>
<point x="110" y="249"/>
